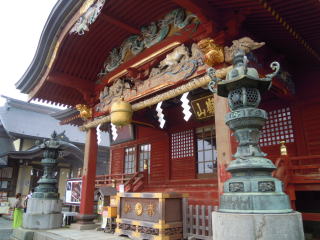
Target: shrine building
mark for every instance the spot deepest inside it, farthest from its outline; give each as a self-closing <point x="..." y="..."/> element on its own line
<point x="108" y="58"/>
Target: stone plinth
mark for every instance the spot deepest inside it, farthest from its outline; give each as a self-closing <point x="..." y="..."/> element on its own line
<point x="43" y="214"/>
<point x="235" y="226"/>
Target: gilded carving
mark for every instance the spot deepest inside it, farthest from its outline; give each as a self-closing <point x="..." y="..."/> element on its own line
<point x="138" y="208"/>
<point x="84" y="110"/>
<point x="150" y="209"/>
<point x="213" y="53"/>
<point x="127" y="208"/>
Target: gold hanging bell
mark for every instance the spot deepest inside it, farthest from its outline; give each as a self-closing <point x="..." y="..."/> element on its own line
<point x="121" y="113"/>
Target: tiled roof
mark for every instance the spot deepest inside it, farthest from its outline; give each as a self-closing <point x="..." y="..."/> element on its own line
<point x="27" y="119"/>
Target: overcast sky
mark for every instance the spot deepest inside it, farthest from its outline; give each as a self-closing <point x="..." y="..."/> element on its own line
<point x="22" y="22"/>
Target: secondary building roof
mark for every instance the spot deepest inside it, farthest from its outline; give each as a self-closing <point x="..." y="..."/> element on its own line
<point x="21" y="118"/>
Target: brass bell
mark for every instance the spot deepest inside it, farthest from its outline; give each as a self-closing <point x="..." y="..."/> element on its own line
<point x="121" y="113"/>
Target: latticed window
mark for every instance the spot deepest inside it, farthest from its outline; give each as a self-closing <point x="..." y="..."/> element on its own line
<point x="129" y="160"/>
<point x="182" y="144"/>
<point x="206" y="147"/>
<point x="278" y="128"/>
<point x="144" y="156"/>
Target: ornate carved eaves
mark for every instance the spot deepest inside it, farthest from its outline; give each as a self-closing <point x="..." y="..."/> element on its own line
<point x="91" y="10"/>
<point x="150" y="35"/>
<point x="178" y="66"/>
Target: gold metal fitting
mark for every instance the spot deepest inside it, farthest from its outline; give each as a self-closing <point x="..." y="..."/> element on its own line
<point x="283" y="148"/>
<point x="84" y="110"/>
<point x="213" y="53"/>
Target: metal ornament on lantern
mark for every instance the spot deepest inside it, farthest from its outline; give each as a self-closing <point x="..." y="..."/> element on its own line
<point x="251" y="189"/>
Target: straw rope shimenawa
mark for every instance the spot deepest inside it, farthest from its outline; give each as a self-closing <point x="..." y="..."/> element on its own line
<point x="191" y="85"/>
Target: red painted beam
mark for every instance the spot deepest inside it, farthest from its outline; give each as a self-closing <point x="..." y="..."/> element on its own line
<point x="120" y="24"/>
<point x="84" y="87"/>
<point x="311" y="217"/>
<point x="202" y="10"/>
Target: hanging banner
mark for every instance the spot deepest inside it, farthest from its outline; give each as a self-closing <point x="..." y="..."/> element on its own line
<point x="73" y="191"/>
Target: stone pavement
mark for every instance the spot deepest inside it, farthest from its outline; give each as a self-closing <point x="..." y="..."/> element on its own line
<point x="72" y="234"/>
<point x="5" y="229"/>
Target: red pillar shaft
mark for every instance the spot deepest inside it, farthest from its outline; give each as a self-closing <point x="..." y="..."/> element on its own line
<point x="89" y="173"/>
<point x="223" y="140"/>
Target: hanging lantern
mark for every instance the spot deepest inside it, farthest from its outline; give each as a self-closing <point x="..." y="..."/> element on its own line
<point x="121" y="113"/>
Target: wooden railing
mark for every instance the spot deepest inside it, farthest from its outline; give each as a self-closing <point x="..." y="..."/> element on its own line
<point x="298" y="169"/>
<point x="132" y="182"/>
<point x="197" y="221"/>
<point x="112" y="179"/>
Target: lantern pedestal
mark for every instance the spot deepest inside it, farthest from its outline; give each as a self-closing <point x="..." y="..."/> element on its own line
<point x="234" y="226"/>
<point x="43" y="214"/>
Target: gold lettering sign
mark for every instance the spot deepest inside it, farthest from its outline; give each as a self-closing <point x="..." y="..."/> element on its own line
<point x="203" y="107"/>
<point x="138" y="209"/>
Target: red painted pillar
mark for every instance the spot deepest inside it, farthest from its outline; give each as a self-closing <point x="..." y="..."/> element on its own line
<point x="223" y="140"/>
<point x="88" y="178"/>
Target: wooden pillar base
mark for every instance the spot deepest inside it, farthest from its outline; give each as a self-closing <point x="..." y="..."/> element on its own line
<point x="84" y="222"/>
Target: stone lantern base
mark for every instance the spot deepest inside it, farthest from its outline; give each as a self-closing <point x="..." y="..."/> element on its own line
<point x="43" y="214"/>
<point x="236" y="226"/>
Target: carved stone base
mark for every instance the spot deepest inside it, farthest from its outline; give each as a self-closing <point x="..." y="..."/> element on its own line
<point x="234" y="226"/>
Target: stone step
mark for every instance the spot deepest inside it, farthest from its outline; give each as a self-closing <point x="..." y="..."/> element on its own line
<point x="70" y="234"/>
<point x="21" y="234"/>
<point x="5" y="233"/>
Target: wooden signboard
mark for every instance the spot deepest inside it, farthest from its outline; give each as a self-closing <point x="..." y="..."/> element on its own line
<point x="203" y="107"/>
<point x="150" y="215"/>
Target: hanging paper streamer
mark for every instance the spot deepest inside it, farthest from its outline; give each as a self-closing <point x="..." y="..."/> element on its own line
<point x="160" y="115"/>
<point x="98" y="134"/>
<point x="186" y="107"/>
<point x="114" y="132"/>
